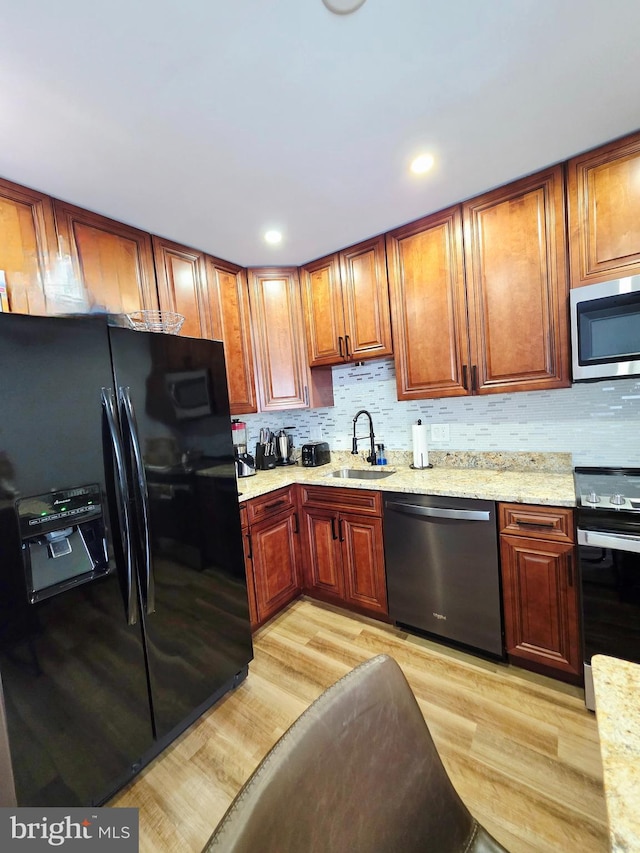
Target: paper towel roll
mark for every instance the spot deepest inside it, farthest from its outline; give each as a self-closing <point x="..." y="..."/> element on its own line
<point x="420" y="449"/>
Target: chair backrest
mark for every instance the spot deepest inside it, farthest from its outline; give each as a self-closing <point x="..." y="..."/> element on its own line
<point x="358" y="772"/>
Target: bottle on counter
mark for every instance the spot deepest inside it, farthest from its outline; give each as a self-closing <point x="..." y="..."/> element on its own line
<point x="381" y="458"/>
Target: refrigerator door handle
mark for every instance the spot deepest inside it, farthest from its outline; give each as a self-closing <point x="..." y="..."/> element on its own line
<point x="122" y="501"/>
<point x="140" y="480"/>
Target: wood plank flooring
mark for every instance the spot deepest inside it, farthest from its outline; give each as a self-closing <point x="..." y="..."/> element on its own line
<point x="521" y="749"/>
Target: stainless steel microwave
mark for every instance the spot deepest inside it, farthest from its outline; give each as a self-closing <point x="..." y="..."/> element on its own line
<point x="605" y="329"/>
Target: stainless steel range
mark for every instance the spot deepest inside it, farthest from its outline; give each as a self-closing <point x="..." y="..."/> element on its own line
<point x="608" y="518"/>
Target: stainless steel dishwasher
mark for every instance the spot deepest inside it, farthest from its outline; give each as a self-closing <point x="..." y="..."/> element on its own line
<point x="443" y="576"/>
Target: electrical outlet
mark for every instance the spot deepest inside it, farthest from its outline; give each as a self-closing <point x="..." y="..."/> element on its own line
<point x="440" y="432"/>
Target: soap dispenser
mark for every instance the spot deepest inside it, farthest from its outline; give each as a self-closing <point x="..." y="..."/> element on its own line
<point x="381" y="458"/>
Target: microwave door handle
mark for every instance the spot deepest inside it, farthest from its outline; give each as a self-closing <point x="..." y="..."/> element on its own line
<point x="126" y="406"/>
<point x="614" y="541"/>
<point x="122" y="501"/>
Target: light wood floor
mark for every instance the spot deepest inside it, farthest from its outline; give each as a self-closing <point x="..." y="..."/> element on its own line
<point x="521" y="750"/>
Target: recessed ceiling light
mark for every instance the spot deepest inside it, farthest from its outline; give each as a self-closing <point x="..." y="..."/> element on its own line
<point x="422" y="164"/>
<point x="273" y="237"/>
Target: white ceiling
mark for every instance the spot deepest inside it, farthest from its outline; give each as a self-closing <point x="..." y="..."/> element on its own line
<point x="207" y="121"/>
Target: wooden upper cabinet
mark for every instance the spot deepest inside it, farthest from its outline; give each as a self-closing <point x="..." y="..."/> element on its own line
<point x="365" y="298"/>
<point x="323" y="312"/>
<point x="229" y="297"/>
<point x="283" y="377"/>
<point x="428" y="306"/>
<point x="346" y="303"/>
<point x="515" y="259"/>
<point x="27" y="244"/>
<point x="182" y="285"/>
<point x="111" y="261"/>
<point x="604" y="212"/>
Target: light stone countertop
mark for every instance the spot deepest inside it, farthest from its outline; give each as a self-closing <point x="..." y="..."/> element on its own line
<point x="617" y="692"/>
<point x="529" y="487"/>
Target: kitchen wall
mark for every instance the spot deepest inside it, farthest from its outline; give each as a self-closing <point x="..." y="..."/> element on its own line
<point x="598" y="423"/>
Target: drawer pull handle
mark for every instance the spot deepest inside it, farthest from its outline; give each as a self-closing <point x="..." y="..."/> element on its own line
<point x="547" y="525"/>
<point x="250" y="551"/>
<point x="275" y="503"/>
<point x="341" y="528"/>
<point x="296" y="529"/>
<point x="340" y="352"/>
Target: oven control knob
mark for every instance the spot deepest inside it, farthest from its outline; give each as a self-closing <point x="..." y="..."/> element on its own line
<point x="618" y="499"/>
<point x="593" y="498"/>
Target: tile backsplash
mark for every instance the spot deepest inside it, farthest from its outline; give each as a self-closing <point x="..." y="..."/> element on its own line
<point x="598" y="423"/>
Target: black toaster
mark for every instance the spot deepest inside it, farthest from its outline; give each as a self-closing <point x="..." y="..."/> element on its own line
<point x="315" y="453"/>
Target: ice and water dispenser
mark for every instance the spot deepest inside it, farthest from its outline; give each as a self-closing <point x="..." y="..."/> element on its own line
<point x="63" y="539"/>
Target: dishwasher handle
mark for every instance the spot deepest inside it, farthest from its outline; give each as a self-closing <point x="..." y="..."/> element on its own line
<point x="437" y="512"/>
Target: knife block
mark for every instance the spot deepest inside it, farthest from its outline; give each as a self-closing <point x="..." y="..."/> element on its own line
<point x="264" y="462"/>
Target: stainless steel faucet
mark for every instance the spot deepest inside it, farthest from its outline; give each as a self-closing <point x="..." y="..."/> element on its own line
<point x="354" y="447"/>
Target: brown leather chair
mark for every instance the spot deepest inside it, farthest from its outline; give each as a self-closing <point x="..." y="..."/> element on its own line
<point x="358" y="772"/>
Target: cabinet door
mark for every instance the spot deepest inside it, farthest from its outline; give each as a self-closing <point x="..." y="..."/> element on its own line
<point x="541" y="606"/>
<point x="323" y="312"/>
<point x="365" y="298"/>
<point x="274" y="555"/>
<point x="428" y="307"/>
<point x="517" y="286"/>
<point x="231" y="324"/>
<point x="323" y="563"/>
<point x="112" y="262"/>
<point x="283" y="378"/>
<point x="604" y="212"/>
<point x="27" y="244"/>
<point x="363" y="561"/>
<point x="182" y="285"/>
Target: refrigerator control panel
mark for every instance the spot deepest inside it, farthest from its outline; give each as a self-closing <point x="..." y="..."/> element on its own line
<point x="43" y="513"/>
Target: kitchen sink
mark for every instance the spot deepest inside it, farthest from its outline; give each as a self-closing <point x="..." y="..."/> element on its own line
<point x="361" y="474"/>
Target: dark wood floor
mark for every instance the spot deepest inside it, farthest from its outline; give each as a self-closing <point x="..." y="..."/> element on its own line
<point x="521" y="750"/>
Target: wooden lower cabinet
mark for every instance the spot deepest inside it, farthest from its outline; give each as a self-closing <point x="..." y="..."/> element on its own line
<point x="344" y="549"/>
<point x="323" y="569"/>
<point x="272" y="555"/>
<point x="540" y="590"/>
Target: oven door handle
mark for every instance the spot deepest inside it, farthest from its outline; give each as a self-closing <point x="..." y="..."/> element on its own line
<point x="615" y="541"/>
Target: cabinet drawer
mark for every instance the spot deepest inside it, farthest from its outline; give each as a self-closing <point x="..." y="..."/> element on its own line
<point x="270" y="504"/>
<point x="350" y="500"/>
<point x="537" y="522"/>
<point x="244" y="519"/>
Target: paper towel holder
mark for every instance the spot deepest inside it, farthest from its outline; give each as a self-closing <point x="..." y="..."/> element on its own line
<point x="420" y="467"/>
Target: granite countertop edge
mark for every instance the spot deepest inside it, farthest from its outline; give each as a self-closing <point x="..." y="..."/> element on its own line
<point x="543" y="488"/>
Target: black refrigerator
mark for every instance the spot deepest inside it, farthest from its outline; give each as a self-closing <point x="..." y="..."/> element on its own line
<point x="123" y="601"/>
